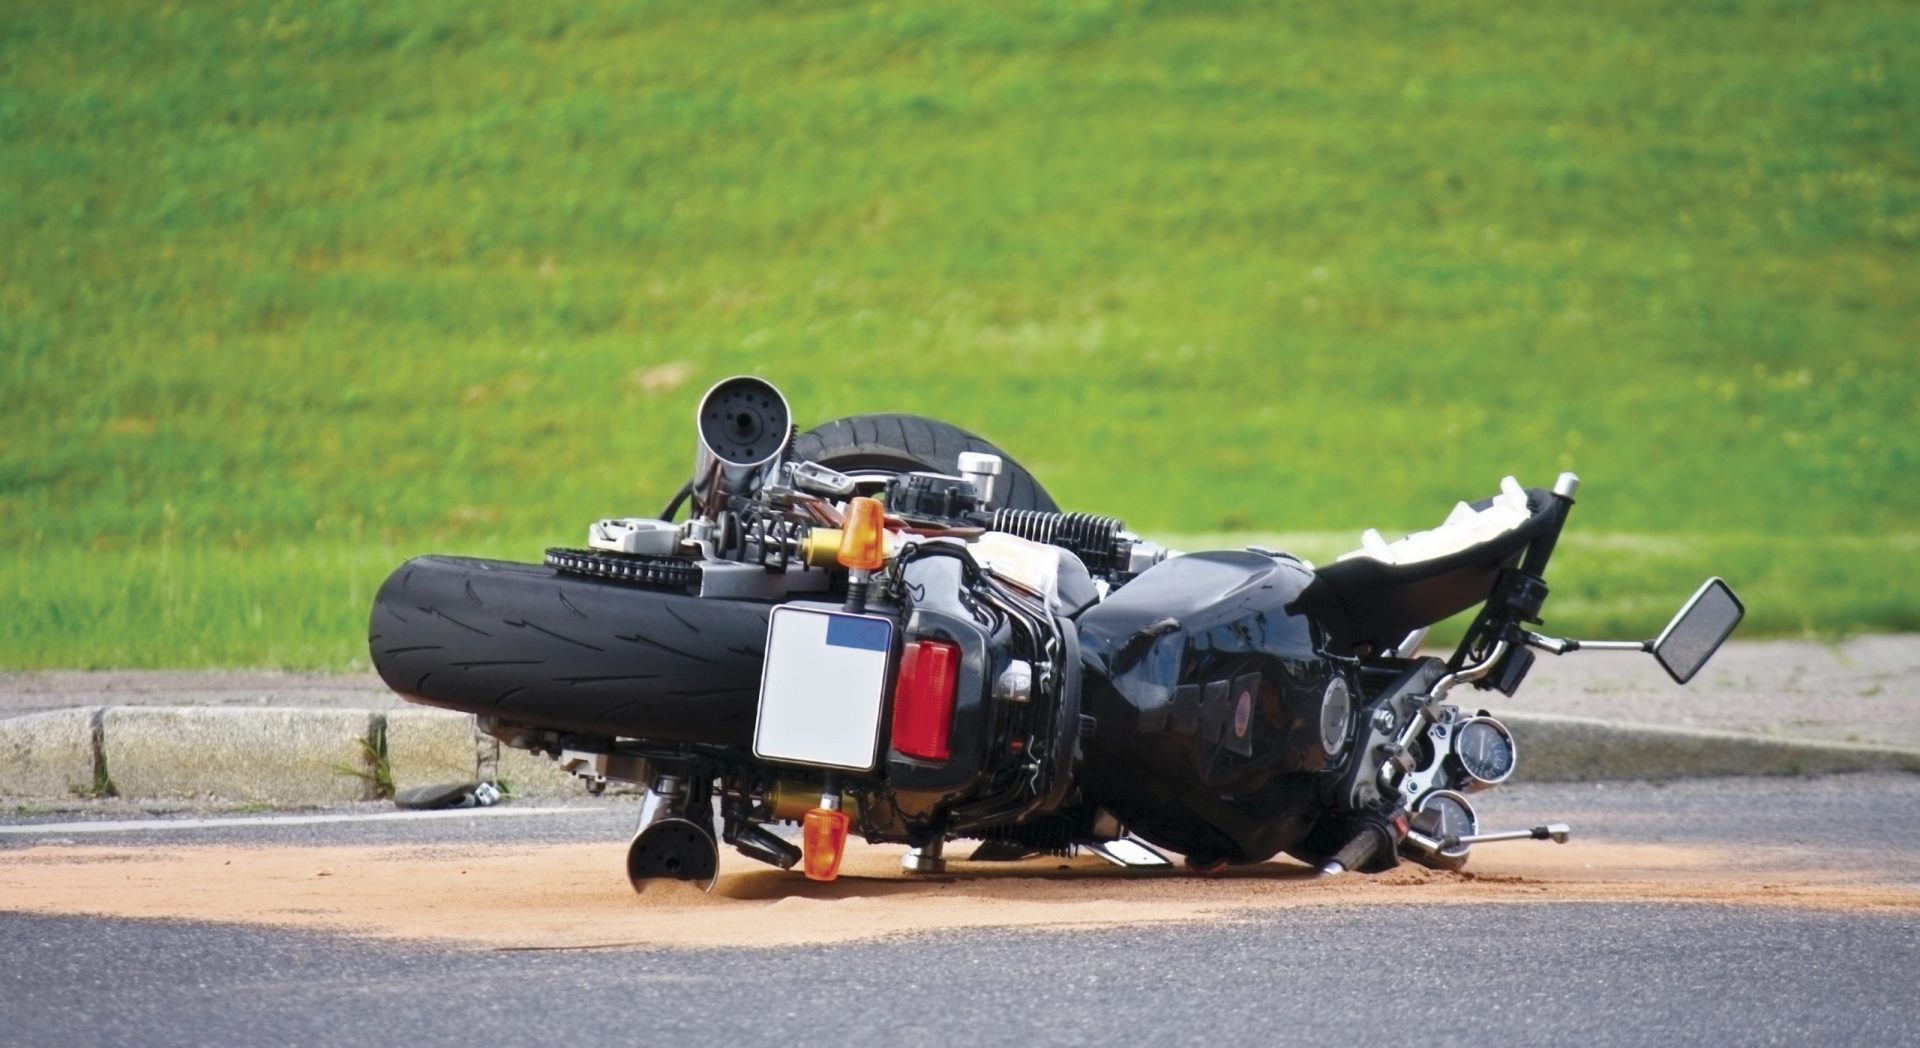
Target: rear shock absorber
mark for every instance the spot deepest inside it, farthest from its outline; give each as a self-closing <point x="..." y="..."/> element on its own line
<point x="773" y="540"/>
<point x="1094" y="539"/>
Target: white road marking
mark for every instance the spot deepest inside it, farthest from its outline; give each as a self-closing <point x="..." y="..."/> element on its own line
<point x="164" y="824"/>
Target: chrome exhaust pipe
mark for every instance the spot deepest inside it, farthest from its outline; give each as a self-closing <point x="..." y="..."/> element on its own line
<point x="673" y="849"/>
<point x="743" y="425"/>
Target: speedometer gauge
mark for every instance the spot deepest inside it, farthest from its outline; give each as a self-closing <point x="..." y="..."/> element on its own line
<point x="1442" y="814"/>
<point x="1483" y="748"/>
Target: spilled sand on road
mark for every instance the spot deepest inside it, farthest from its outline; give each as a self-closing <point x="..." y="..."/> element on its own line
<point x="574" y="897"/>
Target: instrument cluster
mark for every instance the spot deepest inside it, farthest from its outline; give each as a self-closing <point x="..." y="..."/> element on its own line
<point x="1461" y="752"/>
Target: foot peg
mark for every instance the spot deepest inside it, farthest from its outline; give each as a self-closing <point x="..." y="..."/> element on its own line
<point x="1001" y="851"/>
<point x="929" y="858"/>
<point x="761" y="844"/>
<point x="1125" y="851"/>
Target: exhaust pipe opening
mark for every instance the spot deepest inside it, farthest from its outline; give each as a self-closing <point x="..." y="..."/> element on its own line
<point x="743" y="425"/>
<point x="673" y="850"/>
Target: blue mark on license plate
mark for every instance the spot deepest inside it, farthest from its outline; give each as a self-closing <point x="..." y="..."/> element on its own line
<point x="845" y="631"/>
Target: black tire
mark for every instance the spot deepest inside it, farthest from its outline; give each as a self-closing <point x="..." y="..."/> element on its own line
<point x="529" y="645"/>
<point x="906" y="443"/>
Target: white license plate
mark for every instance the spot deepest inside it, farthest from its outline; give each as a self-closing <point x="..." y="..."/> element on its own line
<point x="822" y="687"/>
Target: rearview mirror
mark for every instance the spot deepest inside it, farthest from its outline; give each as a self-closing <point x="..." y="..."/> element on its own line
<point x="1704" y="623"/>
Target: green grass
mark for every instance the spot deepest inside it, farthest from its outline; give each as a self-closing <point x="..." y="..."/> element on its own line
<point x="290" y="291"/>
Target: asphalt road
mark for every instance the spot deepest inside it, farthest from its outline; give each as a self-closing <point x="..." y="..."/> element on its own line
<point x="1589" y="973"/>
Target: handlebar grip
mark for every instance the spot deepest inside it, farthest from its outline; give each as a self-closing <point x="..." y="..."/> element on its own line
<point x="1354" y="855"/>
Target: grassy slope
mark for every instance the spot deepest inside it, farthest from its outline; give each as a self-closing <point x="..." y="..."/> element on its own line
<point x="288" y="291"/>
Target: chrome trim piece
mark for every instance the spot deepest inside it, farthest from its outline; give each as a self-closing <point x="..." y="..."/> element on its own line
<point x="1409" y="645"/>
<point x="1550" y="645"/>
<point x="928" y="858"/>
<point x="659" y="801"/>
<point x="1132" y="853"/>
<point x="1401" y="760"/>
<point x="1142" y="554"/>
<point x="1468" y="674"/>
<point x="1557" y="832"/>
<point x="1333" y="736"/>
<point x="982" y="469"/>
<point x="712" y="475"/>
<point x="1564" y="645"/>
<point x="1015" y="683"/>
<point x="667" y="827"/>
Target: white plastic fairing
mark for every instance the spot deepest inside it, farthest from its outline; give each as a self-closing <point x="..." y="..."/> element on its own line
<point x="1465" y="527"/>
<point x="1033" y="565"/>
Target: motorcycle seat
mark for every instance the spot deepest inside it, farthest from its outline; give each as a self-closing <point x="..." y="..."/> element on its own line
<point x="1372" y="601"/>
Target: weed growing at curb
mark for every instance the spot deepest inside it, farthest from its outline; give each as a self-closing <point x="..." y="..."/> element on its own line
<point x="378" y="770"/>
<point x="102" y="786"/>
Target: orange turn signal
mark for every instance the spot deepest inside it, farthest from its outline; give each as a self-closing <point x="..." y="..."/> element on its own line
<point x="823" y="839"/>
<point x="863" y="536"/>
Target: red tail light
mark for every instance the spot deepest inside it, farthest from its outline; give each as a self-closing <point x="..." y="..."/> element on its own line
<point x="923" y="699"/>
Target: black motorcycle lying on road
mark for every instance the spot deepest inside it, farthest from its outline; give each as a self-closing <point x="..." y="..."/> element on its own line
<point x="884" y="625"/>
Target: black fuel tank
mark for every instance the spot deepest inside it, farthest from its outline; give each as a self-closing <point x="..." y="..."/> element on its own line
<point x="1214" y="708"/>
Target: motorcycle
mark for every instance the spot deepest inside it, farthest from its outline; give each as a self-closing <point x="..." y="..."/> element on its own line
<point x="884" y="625"/>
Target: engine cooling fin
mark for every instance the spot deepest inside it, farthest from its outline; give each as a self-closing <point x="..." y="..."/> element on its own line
<point x="642" y="570"/>
<point x="1092" y="538"/>
<point x="1044" y="836"/>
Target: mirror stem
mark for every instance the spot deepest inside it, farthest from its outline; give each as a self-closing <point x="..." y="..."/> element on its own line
<point x="1561" y="646"/>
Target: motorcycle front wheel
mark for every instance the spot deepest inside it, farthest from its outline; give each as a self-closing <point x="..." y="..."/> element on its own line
<point x="879" y="446"/>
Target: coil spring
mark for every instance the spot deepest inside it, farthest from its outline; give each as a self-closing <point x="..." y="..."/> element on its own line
<point x="777" y="538"/>
<point x="1092" y="538"/>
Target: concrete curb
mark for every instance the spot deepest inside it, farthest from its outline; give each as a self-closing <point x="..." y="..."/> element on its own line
<point x="266" y="756"/>
<point x="276" y="756"/>
<point x="52" y="754"/>
<point x="298" y="757"/>
<point x="1582" y="749"/>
